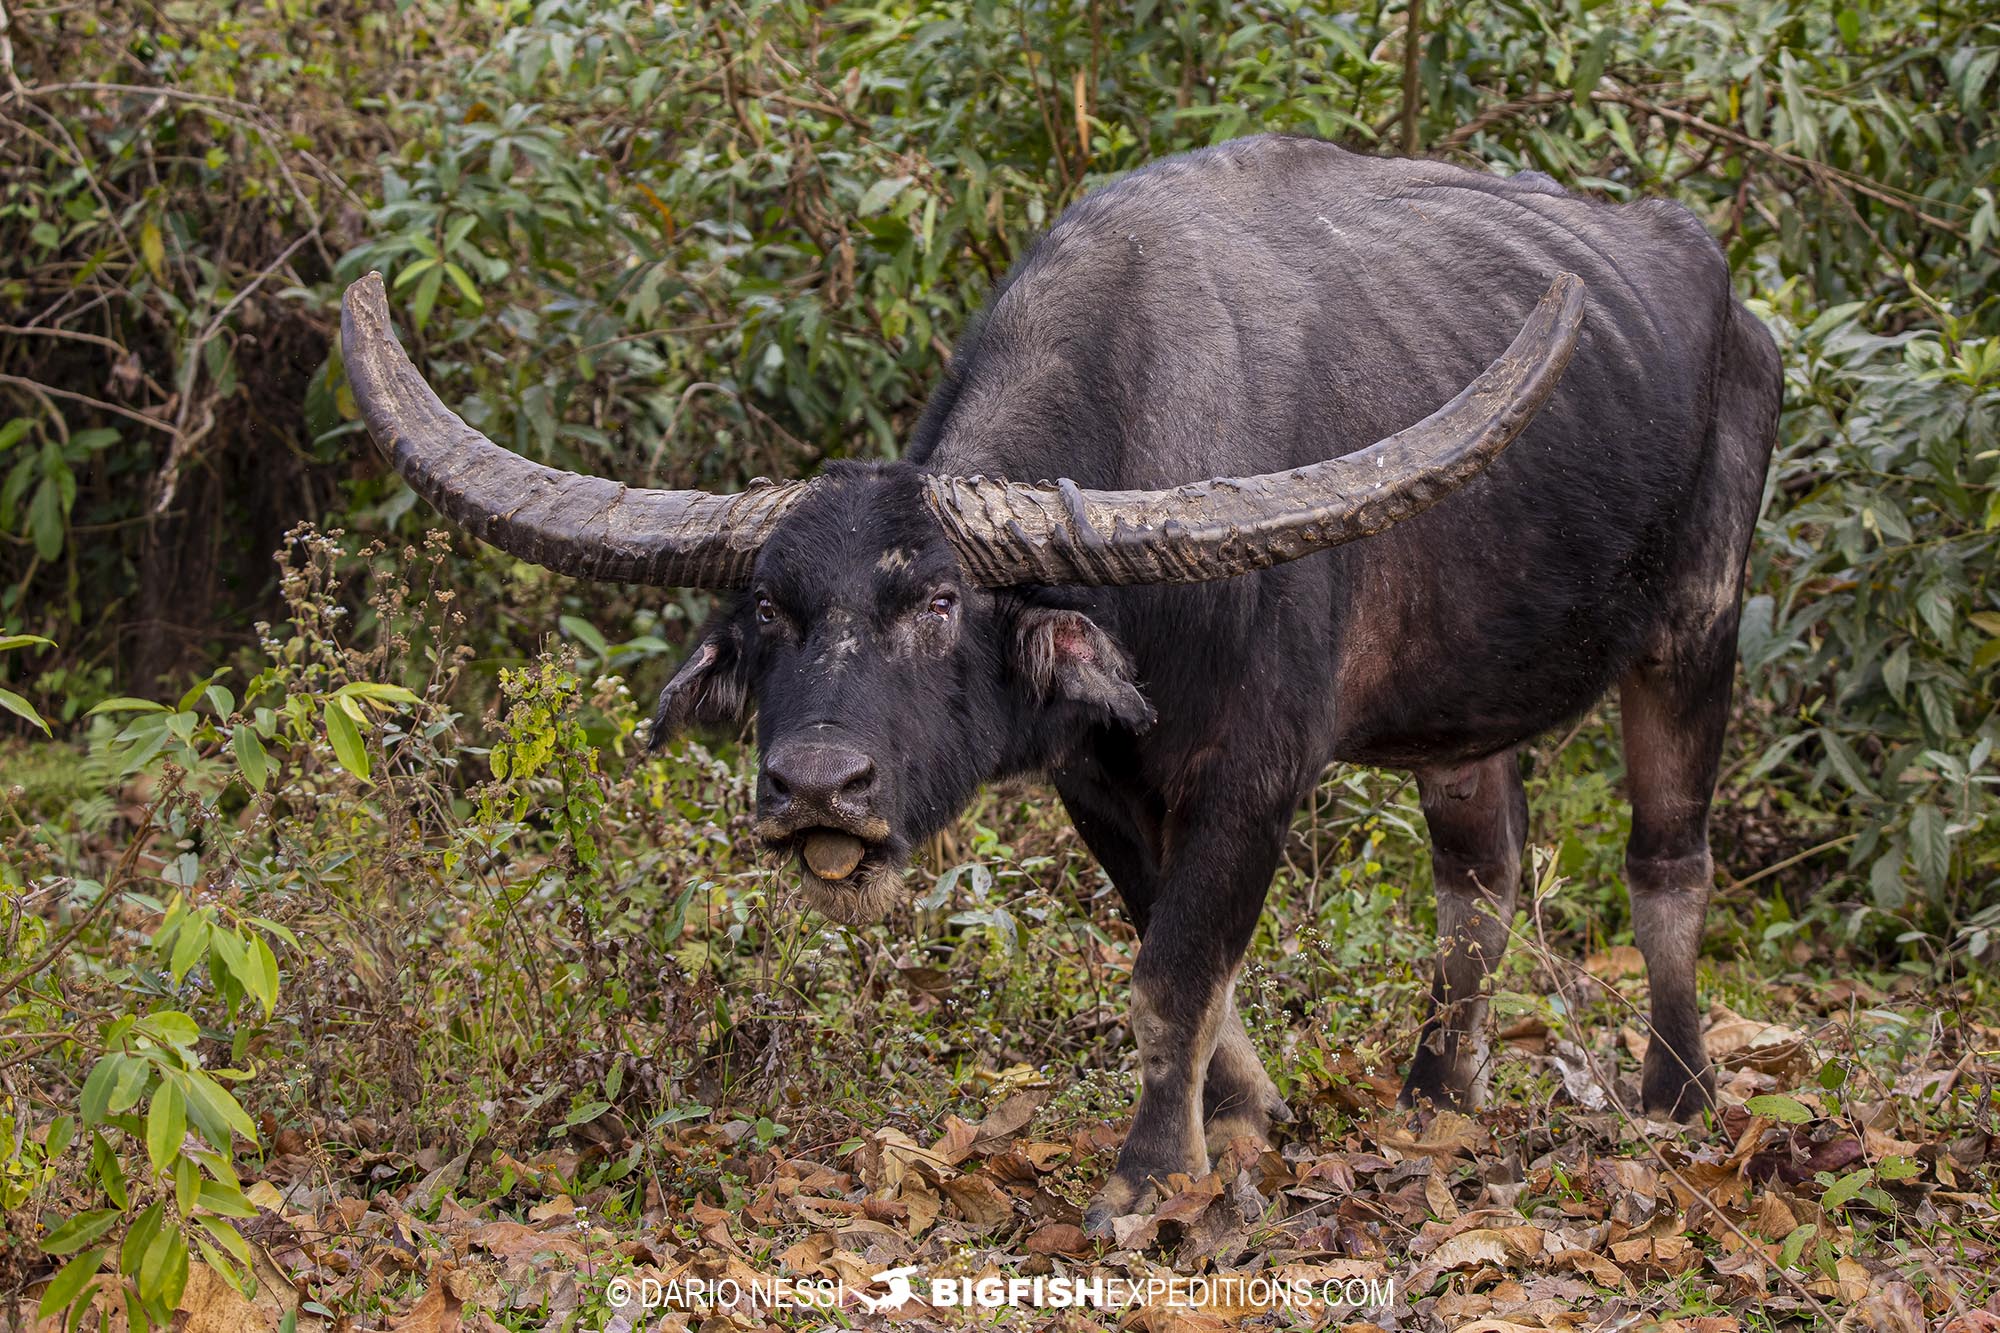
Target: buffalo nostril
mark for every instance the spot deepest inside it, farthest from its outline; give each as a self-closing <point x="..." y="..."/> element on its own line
<point x="817" y="775"/>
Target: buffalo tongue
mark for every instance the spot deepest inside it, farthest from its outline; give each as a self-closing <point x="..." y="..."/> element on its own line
<point x="833" y="855"/>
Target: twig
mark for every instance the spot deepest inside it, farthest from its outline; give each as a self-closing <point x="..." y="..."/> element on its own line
<point x="36" y="387"/>
<point x="20" y="331"/>
<point x="7" y="53"/>
<point x="114" y="888"/>
<point x="185" y="440"/>
<point x="1791" y="861"/>
<point x="1822" y="173"/>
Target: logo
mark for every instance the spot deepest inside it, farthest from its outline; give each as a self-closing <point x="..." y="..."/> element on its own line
<point x="900" y="1291"/>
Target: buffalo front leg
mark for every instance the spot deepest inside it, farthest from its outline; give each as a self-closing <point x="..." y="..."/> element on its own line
<point x="1478" y="819"/>
<point x="1199" y="923"/>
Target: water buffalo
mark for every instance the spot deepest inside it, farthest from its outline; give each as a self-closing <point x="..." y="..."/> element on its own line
<point x="1238" y="361"/>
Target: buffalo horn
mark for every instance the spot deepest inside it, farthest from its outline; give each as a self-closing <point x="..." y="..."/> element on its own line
<point x="1010" y="533"/>
<point x="590" y="527"/>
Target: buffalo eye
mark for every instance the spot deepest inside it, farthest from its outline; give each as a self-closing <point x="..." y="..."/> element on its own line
<point x="767" y="610"/>
<point x="943" y="605"/>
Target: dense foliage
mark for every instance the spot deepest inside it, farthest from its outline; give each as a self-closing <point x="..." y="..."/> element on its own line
<point x="698" y="243"/>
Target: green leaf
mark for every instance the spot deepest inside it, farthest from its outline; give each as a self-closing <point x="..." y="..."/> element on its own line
<point x="163" y="1269"/>
<point x="110" y="1173"/>
<point x="261" y="976"/>
<point x="1930" y="845"/>
<point x="427" y="293"/>
<point x="70" y="1282"/>
<point x="61" y="1130"/>
<point x="586" y="633"/>
<point x="23" y="640"/>
<point x="139" y="1237"/>
<point x="213" y="1110"/>
<point x="1777" y="1106"/>
<point x="1898" y="1168"/>
<point x="95" y="1098"/>
<point x="170" y="1027"/>
<point x="166" y="1125"/>
<point x="127" y="704"/>
<point x="463" y="281"/>
<point x="230" y="1238"/>
<point x="586" y="1113"/>
<point x="1795" y="1245"/>
<point x="21" y="708"/>
<point x="880" y="195"/>
<point x="376" y="693"/>
<point x="45" y="520"/>
<point x="226" y="947"/>
<point x="1849" y="1185"/>
<point x="346" y="739"/>
<point x="190" y="943"/>
<point x="81" y="1230"/>
<point x="251" y="759"/>
<point x="187" y="1184"/>
<point x="225" y="1199"/>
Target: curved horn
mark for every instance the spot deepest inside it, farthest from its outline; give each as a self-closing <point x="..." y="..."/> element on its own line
<point x="1009" y="533"/>
<point x="590" y="527"/>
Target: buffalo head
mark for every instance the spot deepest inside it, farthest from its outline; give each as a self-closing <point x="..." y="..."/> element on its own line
<point x="903" y="634"/>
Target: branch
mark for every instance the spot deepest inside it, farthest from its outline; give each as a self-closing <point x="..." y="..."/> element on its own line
<point x="1822" y="173"/>
<point x="34" y="387"/>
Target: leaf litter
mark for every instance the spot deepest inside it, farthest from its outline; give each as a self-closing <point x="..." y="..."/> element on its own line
<point x="1802" y="1200"/>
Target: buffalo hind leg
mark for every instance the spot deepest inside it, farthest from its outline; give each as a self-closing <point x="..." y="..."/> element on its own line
<point x="1477" y="815"/>
<point x="1238" y="1098"/>
<point x="1674" y="712"/>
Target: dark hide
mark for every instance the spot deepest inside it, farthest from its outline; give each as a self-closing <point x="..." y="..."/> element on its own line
<point x="1249" y="308"/>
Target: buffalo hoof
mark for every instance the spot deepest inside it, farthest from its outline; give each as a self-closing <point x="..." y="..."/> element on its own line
<point x="1252" y="1122"/>
<point x="1665" y="1089"/>
<point x="1120" y="1197"/>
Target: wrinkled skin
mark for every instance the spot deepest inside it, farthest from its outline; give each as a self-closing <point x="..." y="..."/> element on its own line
<point x="1245" y="309"/>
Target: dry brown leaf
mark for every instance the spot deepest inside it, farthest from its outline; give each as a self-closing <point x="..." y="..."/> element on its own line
<point x="1616" y="963"/>
<point x="1438" y="1195"/>
<point x="1894" y="1307"/>
<point x="1848" y="1284"/>
<point x="560" y="1206"/>
<point x="213" y="1306"/>
<point x="1007" y="1119"/>
<point x="1774" y="1220"/>
<point x="1472" y="1249"/>
<point x="1593" y="1266"/>
<point x="979" y="1201"/>
<point x="809" y="1254"/>
<point x="515" y="1242"/>
<point x="436" y="1312"/>
<point x="1058" y="1238"/>
<point x="1449" y="1134"/>
<point x="1736" y="1042"/>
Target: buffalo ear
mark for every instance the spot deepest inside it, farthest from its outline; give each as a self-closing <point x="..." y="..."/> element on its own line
<point x="1067" y="655"/>
<point x="710" y="688"/>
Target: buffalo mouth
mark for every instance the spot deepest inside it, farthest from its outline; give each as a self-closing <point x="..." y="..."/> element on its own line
<point x="843" y="876"/>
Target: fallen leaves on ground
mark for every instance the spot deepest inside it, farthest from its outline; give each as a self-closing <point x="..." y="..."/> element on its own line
<point x="1519" y="1218"/>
